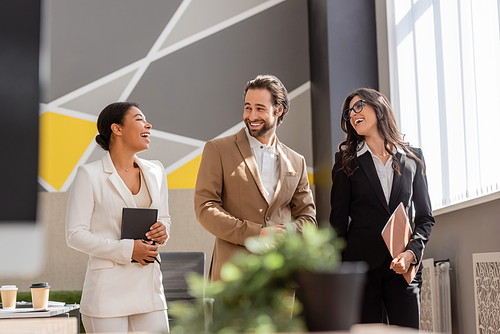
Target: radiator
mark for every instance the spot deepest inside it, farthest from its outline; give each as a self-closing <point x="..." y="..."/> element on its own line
<point x="486" y="267"/>
<point x="435" y="307"/>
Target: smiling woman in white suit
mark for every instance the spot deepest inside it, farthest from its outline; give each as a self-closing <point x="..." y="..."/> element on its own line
<point x="120" y="295"/>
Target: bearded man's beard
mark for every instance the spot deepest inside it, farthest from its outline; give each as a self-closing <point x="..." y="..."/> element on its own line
<point x="266" y="127"/>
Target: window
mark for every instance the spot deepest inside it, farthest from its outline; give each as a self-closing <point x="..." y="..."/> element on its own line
<point x="445" y="88"/>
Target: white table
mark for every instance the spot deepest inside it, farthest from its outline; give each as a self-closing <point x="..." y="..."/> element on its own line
<point x="39" y="325"/>
<point x="55" y="311"/>
<point x="31" y="313"/>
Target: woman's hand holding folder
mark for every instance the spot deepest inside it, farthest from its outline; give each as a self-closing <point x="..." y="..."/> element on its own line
<point x="157" y="233"/>
<point x="402" y="262"/>
<point x="145" y="252"/>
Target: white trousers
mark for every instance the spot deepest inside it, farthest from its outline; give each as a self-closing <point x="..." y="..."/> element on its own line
<point x="153" y="322"/>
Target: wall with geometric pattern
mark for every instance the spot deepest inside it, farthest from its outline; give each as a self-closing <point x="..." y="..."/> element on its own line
<point x="185" y="62"/>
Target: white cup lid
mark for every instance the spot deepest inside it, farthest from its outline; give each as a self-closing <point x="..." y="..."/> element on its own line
<point x="8" y="287"/>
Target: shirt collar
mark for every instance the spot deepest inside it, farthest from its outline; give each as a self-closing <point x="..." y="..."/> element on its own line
<point x="254" y="142"/>
<point x="363" y="147"/>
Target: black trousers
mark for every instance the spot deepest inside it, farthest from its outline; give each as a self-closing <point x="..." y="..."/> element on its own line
<point x="385" y="288"/>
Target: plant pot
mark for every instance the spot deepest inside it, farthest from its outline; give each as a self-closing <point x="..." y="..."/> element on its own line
<point x="332" y="301"/>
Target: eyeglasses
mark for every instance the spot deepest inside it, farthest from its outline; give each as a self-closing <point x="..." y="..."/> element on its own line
<point x="357" y="108"/>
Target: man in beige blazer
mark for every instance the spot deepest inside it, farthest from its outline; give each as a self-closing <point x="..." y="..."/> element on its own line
<point x="250" y="183"/>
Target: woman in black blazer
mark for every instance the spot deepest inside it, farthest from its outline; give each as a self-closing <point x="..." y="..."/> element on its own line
<point x="374" y="171"/>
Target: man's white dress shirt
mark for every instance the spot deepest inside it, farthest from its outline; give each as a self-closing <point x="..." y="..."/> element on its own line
<point x="267" y="163"/>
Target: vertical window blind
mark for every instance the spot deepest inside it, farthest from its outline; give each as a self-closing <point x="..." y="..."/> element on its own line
<point x="444" y="58"/>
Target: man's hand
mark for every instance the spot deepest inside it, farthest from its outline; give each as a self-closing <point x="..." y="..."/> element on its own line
<point x="276" y="228"/>
<point x="280" y="235"/>
<point x="157" y="233"/>
<point x="144" y="250"/>
<point x="402" y="262"/>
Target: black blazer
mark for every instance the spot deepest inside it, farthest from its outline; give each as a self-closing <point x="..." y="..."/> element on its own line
<point x="360" y="211"/>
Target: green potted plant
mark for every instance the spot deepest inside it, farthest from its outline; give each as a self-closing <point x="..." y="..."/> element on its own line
<point x="257" y="290"/>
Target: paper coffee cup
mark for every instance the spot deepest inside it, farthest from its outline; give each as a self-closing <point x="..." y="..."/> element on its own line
<point x="40" y="295"/>
<point x="9" y="296"/>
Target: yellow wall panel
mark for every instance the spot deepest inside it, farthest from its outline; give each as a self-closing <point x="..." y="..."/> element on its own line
<point x="185" y="176"/>
<point x="310" y="177"/>
<point x="63" y="140"/>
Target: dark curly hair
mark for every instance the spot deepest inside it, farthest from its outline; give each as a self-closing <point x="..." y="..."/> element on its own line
<point x="112" y="113"/>
<point x="386" y="125"/>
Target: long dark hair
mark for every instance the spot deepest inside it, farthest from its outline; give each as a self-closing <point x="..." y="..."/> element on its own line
<point x="112" y="113"/>
<point x="386" y="125"/>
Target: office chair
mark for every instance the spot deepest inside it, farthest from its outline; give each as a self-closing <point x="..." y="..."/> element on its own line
<point x="174" y="267"/>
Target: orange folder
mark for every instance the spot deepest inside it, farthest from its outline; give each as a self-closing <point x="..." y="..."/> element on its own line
<point x="397" y="233"/>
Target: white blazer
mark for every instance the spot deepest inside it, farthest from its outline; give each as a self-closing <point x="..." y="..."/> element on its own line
<point x="114" y="286"/>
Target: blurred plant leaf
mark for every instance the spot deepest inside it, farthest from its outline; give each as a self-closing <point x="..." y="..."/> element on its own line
<point x="256" y="293"/>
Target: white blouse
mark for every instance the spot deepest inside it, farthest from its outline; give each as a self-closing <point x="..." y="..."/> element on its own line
<point x="142" y="199"/>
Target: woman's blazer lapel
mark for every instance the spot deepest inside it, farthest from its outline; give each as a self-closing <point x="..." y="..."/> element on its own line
<point x="117" y="181"/>
<point x="153" y="177"/>
<point x="397" y="182"/>
<point x="366" y="163"/>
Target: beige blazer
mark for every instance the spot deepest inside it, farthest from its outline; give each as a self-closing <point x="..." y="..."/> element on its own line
<point x="114" y="286"/>
<point x="230" y="200"/>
